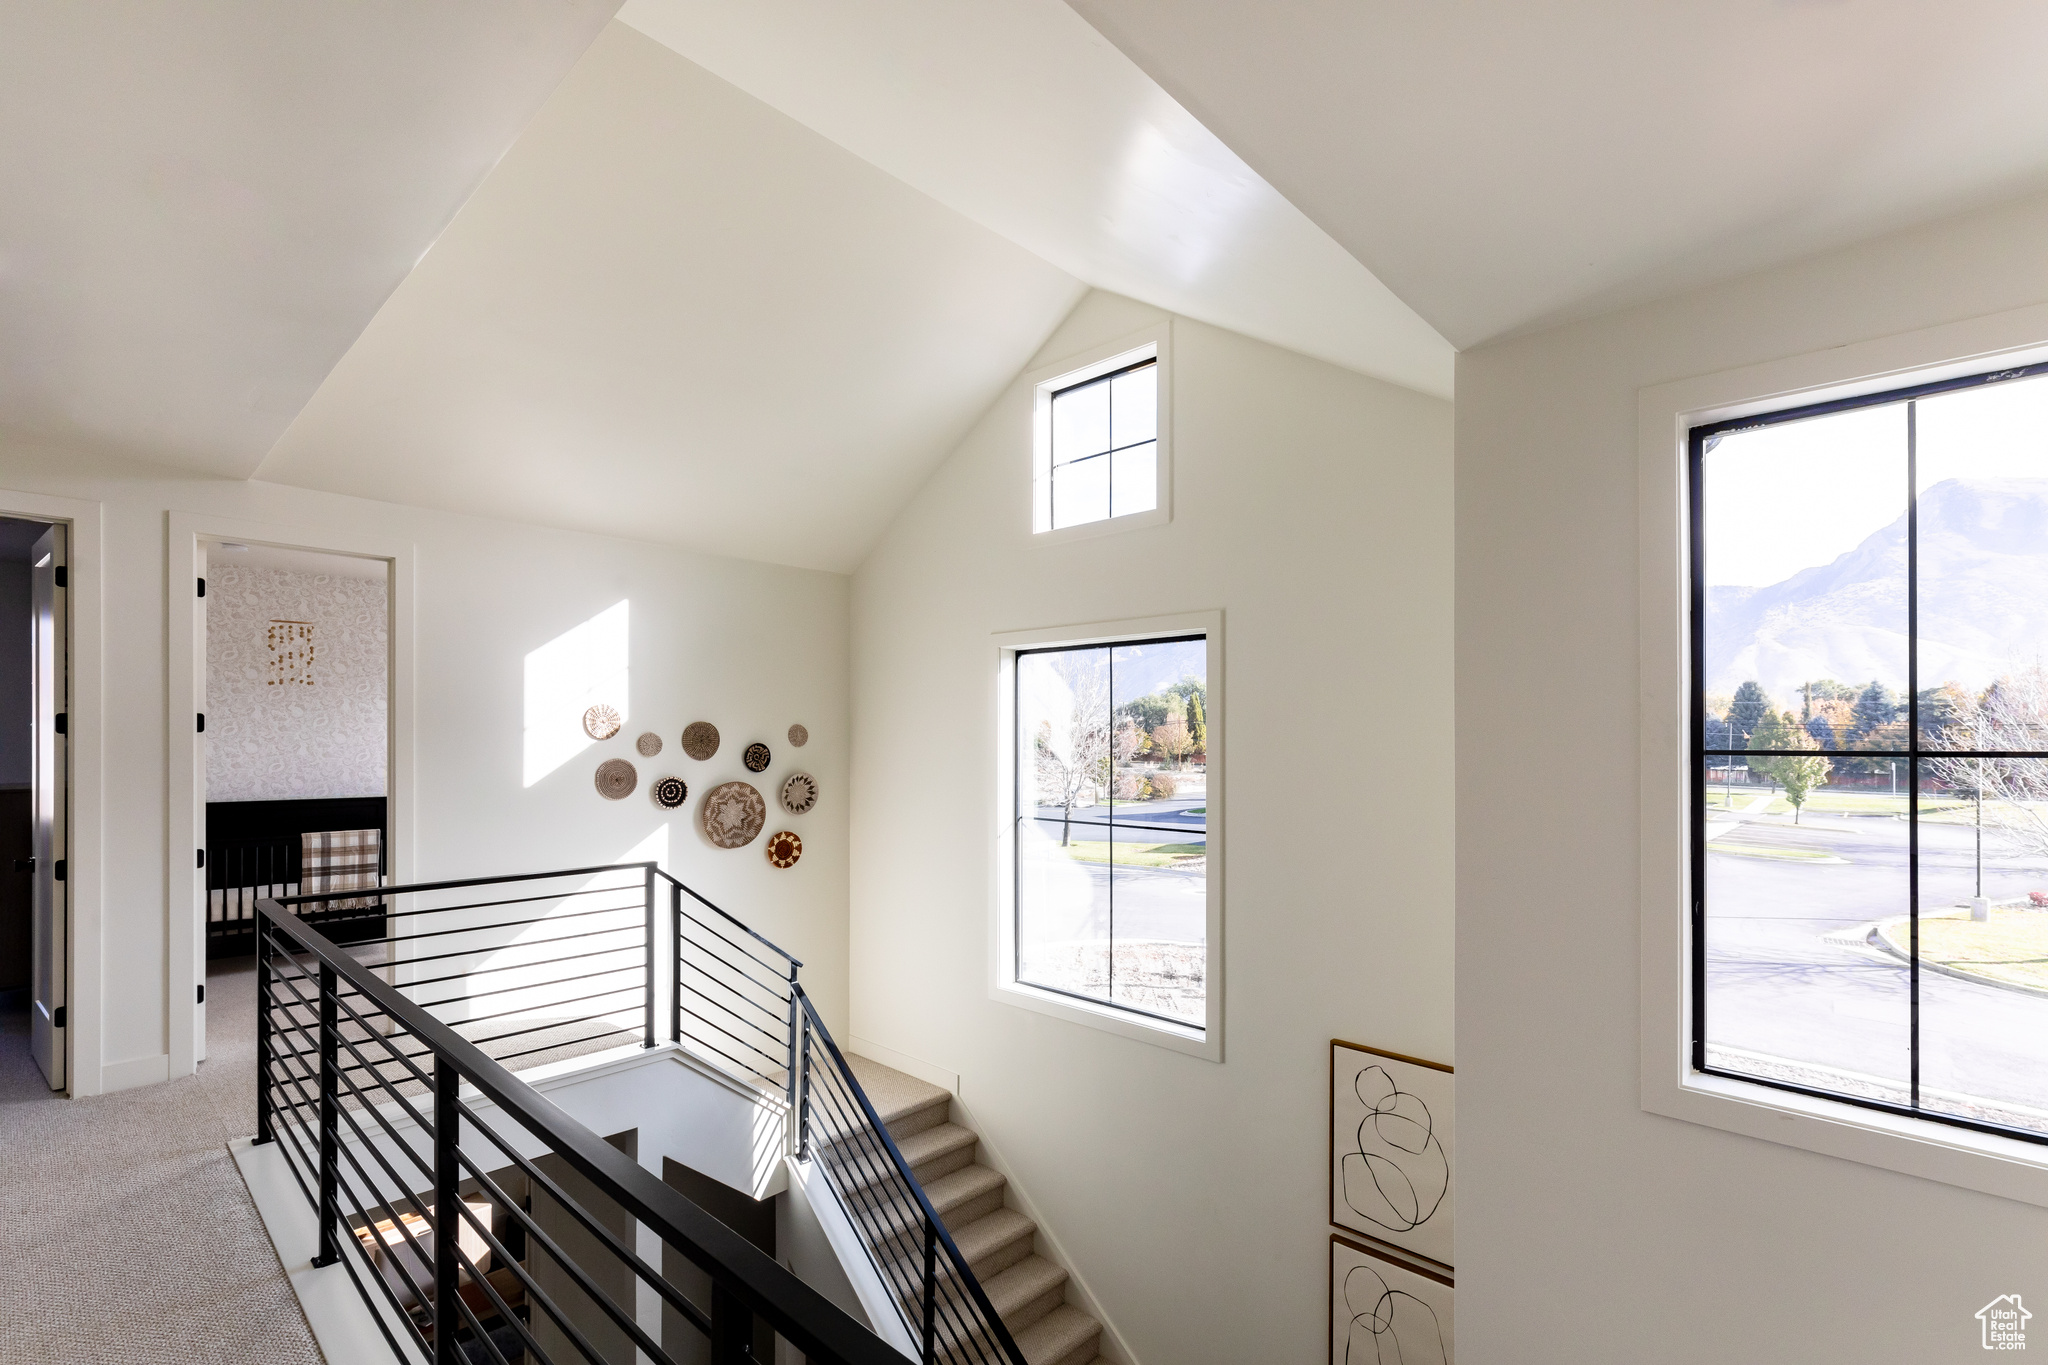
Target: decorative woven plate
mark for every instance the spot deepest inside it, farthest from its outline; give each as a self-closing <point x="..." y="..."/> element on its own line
<point x="798" y="736"/>
<point x="670" y="792"/>
<point x="757" y="757"/>
<point x="600" y="722"/>
<point x="733" y="814"/>
<point x="616" y="779"/>
<point x="700" y="739"/>
<point x="784" y="849"/>
<point x="648" y="744"/>
<point x="800" y="793"/>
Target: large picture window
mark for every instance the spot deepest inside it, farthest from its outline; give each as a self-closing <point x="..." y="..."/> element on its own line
<point x="1870" y="750"/>
<point x="1112" y="902"/>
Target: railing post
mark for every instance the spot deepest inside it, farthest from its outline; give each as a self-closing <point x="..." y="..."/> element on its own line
<point x="803" y="1097"/>
<point x="675" y="963"/>
<point x="931" y="1288"/>
<point x="648" y="987"/>
<point x="447" y="1214"/>
<point x="792" y="1037"/>
<point x="330" y="1118"/>
<point x="732" y="1328"/>
<point x="263" y="1040"/>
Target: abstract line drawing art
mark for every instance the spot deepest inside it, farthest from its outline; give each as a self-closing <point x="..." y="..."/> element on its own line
<point x="1386" y="1312"/>
<point x="1391" y="1149"/>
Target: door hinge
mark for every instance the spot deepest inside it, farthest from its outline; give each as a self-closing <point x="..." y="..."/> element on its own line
<point x="57" y="1018"/>
<point x="202" y="722"/>
<point x="62" y="577"/>
<point x="62" y="723"/>
<point x="58" y="871"/>
<point x="202" y="993"/>
<point x="202" y="857"/>
<point x="202" y="587"/>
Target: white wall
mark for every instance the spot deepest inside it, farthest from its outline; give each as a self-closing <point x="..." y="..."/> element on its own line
<point x="751" y="647"/>
<point x="1313" y="507"/>
<point x="1589" y="1230"/>
<point x="272" y="740"/>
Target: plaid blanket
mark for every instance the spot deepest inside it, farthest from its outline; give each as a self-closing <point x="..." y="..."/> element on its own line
<point x="338" y="860"/>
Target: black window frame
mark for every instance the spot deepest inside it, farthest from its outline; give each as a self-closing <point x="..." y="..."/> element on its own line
<point x="1018" y="809"/>
<point x="1054" y="464"/>
<point x="1699" y="440"/>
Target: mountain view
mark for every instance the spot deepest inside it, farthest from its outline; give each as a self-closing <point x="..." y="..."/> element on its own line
<point x="1983" y="601"/>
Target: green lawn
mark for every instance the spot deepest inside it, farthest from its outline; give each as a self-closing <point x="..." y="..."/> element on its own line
<point x="1827" y="801"/>
<point x="1135" y="855"/>
<point x="2010" y="948"/>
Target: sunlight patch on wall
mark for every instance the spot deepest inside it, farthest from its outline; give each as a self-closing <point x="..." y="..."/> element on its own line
<point x="578" y="669"/>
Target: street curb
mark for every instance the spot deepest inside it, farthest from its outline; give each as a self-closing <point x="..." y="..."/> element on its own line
<point x="1883" y="945"/>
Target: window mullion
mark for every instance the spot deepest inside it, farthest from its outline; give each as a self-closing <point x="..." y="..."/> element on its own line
<point x="1913" y="742"/>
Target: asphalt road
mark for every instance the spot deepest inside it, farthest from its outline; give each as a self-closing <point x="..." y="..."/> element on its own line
<point x="1079" y="899"/>
<point x="1774" y="987"/>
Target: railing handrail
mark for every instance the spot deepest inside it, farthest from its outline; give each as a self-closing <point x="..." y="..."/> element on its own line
<point x="729" y="918"/>
<point x="945" y="1239"/>
<point x="800" y="1313"/>
<point x="464" y="881"/>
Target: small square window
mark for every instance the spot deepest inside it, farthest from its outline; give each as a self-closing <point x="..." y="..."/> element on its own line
<point x="1100" y="448"/>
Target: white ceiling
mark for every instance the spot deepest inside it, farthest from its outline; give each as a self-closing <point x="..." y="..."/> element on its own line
<point x="1021" y="117"/>
<point x="1503" y="165"/>
<point x="201" y="205"/>
<point x="675" y="314"/>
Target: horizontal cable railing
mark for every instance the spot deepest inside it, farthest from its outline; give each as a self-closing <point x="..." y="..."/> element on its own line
<point x="934" y="1289"/>
<point x="418" y="1153"/>
<point x="526" y="967"/>
<point x="735" y="993"/>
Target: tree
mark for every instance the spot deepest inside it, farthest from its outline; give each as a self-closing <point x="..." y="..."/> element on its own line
<point x="1876" y="709"/>
<point x="1072" y="755"/>
<point x="2011" y="714"/>
<point x="1942" y="710"/>
<point x="1797" y="773"/>
<point x="1752" y="705"/>
<point x="1173" y="738"/>
<point x="1198" y="723"/>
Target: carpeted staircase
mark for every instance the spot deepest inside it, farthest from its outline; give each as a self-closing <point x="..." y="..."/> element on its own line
<point x="1028" y="1290"/>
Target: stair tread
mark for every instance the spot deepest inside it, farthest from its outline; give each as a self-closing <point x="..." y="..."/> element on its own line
<point x="990" y="1231"/>
<point x="1060" y="1332"/>
<point x="1023" y="1282"/>
<point x="933" y="1143"/>
<point x="894" y="1094"/>
<point x="955" y="1188"/>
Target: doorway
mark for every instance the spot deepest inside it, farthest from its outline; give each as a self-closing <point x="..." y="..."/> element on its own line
<point x="294" y="744"/>
<point x="35" y="938"/>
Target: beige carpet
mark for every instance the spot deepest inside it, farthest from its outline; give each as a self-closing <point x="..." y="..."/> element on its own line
<point x="126" y="1234"/>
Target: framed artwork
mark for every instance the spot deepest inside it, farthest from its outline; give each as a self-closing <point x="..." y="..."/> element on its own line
<point x="1385" y="1311"/>
<point x="1391" y="1149"/>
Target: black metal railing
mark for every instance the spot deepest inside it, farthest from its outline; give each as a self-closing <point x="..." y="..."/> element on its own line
<point x="500" y="1239"/>
<point x="734" y="993"/>
<point x="520" y="966"/>
<point x="943" y="1304"/>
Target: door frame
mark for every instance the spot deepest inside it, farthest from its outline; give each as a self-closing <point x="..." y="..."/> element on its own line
<point x="84" y="791"/>
<point x="185" y="773"/>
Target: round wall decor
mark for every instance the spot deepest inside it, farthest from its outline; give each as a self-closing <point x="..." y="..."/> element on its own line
<point x="700" y="739"/>
<point x="616" y="779"/>
<point x="784" y="849"/>
<point x="799" y="793"/>
<point x="733" y="813"/>
<point x="798" y="736"/>
<point x="670" y="792"/>
<point x="757" y="757"/>
<point x="600" y="722"/>
<point x="648" y="744"/>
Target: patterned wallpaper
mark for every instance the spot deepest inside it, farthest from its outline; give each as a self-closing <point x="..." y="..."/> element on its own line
<point x="295" y="684"/>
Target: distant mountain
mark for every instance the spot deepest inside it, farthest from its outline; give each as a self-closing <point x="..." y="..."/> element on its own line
<point x="1983" y="601"/>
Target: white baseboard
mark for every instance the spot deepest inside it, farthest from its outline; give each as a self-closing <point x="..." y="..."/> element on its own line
<point x="948" y="1081"/>
<point x="133" y="1072"/>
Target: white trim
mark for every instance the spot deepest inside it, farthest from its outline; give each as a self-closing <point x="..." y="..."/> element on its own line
<point x="1003" y="987"/>
<point x="1154" y="342"/>
<point x="185" y="808"/>
<point x="948" y="1081"/>
<point x="85" y="871"/>
<point x="1935" y="1151"/>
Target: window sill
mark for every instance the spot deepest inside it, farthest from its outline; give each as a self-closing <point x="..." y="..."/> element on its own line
<point x="1158" y="1032"/>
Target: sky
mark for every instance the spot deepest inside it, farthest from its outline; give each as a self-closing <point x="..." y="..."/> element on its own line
<point x="1789" y="497"/>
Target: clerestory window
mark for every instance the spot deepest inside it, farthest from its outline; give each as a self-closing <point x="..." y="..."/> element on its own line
<point x="1869" y="790"/>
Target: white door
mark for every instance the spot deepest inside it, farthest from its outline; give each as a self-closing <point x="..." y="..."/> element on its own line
<point x="50" y="943"/>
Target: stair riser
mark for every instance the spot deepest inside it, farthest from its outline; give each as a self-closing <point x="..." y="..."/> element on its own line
<point x="1001" y="1258"/>
<point x="981" y="1206"/>
<point x="1084" y="1354"/>
<point x="917" y="1120"/>
<point x="1031" y="1310"/>
<point x="944" y="1165"/>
